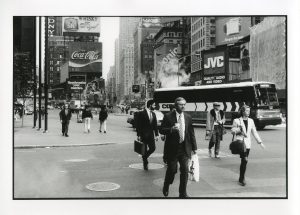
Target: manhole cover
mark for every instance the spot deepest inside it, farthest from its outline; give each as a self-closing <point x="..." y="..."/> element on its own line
<point x="76" y="160"/>
<point x="102" y="186"/>
<point x="150" y="166"/>
<point x="160" y="182"/>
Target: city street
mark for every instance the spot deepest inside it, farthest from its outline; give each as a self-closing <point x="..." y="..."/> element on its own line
<point x="48" y="165"/>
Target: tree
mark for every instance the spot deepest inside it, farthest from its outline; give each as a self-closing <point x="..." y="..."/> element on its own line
<point x="22" y="69"/>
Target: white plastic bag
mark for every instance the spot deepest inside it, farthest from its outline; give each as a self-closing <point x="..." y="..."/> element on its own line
<point x="194" y="168"/>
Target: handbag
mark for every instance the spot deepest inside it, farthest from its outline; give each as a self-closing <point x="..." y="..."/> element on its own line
<point x="139" y="147"/>
<point x="194" y="170"/>
<point x="237" y="146"/>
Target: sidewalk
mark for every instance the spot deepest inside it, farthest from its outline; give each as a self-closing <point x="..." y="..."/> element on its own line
<point x="118" y="131"/>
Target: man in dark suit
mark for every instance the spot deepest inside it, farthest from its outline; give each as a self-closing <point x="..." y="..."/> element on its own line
<point x="180" y="142"/>
<point x="146" y="127"/>
<point x="65" y="116"/>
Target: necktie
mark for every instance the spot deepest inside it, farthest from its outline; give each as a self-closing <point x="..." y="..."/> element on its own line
<point x="180" y="129"/>
<point x="150" y="116"/>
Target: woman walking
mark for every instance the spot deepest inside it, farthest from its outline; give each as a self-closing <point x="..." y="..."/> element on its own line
<point x="87" y="116"/>
<point x="102" y="118"/>
<point x="243" y="127"/>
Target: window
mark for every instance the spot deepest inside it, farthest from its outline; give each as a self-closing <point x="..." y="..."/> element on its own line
<point x="51" y="62"/>
<point x="51" y="68"/>
<point x="57" y="69"/>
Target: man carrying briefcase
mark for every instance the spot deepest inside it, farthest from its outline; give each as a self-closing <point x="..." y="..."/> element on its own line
<point x="146" y="127"/>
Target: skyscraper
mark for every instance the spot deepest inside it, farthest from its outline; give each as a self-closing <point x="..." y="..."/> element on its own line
<point x="127" y="27"/>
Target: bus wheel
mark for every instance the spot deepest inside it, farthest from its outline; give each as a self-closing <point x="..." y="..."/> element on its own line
<point x="260" y="127"/>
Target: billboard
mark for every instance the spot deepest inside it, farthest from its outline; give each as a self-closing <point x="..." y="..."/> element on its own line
<point x="77" y="25"/>
<point x="231" y="29"/>
<point x="85" y="57"/>
<point x="215" y="66"/>
<point x="151" y="22"/>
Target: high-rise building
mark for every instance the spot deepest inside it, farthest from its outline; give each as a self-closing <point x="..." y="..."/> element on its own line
<point x="127" y="28"/>
<point x="127" y="67"/>
<point x="110" y="85"/>
<point x="203" y="37"/>
<point x="146" y="28"/>
<point x="117" y="70"/>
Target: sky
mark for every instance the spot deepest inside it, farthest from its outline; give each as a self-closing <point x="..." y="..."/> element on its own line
<point x="109" y="33"/>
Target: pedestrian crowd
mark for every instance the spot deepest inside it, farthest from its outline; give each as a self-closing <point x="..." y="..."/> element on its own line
<point x="180" y="143"/>
<point x="178" y="134"/>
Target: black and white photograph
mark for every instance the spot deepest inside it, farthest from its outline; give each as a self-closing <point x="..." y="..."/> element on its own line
<point x="204" y="96"/>
<point x="168" y="109"/>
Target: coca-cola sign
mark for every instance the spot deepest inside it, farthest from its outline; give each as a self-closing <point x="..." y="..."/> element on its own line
<point x="87" y="55"/>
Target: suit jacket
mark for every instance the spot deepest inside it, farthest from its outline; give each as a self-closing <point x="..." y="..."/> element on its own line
<point x="63" y="116"/>
<point x="172" y="136"/>
<point x="145" y="128"/>
<point x="239" y="125"/>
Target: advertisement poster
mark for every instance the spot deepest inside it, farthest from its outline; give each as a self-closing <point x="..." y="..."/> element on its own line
<point x="85" y="57"/>
<point x="214" y="66"/>
<point x="77" y="25"/>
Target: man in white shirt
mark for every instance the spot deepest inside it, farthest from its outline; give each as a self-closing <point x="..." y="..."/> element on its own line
<point x="179" y="146"/>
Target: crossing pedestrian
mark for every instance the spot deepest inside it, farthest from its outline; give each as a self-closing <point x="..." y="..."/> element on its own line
<point x="242" y="128"/>
<point x="146" y="129"/>
<point x="214" y="129"/>
<point x="180" y="144"/>
<point x="65" y="117"/>
<point x="103" y="115"/>
<point x="87" y="116"/>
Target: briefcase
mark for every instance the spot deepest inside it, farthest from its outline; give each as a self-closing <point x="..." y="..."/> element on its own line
<point x="139" y="147"/>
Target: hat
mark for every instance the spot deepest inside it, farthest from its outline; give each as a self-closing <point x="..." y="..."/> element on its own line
<point x="216" y="104"/>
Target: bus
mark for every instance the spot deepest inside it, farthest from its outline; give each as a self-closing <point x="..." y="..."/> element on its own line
<point x="260" y="96"/>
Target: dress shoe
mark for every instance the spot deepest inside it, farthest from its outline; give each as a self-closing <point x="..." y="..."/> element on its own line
<point x="166" y="190"/>
<point x="66" y="135"/>
<point x="183" y="196"/>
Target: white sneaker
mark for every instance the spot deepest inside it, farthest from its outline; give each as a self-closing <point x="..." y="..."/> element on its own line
<point x="209" y="152"/>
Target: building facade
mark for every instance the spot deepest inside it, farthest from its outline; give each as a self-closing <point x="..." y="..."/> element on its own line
<point x="126" y="41"/>
<point x="203" y="37"/>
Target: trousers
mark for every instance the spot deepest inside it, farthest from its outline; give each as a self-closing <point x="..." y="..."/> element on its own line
<point x="65" y="126"/>
<point x="87" y="124"/>
<point x="183" y="160"/>
<point x="103" y="124"/>
<point x="216" y="138"/>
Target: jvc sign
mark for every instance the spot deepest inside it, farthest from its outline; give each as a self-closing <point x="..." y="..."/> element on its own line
<point x="214" y="66"/>
<point x="213" y="62"/>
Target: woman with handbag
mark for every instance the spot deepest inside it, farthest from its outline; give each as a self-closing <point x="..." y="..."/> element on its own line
<point x="242" y="128"/>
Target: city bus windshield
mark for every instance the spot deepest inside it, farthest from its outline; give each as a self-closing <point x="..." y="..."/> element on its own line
<point x="267" y="96"/>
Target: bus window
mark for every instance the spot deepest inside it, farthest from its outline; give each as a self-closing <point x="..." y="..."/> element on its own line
<point x="267" y="96"/>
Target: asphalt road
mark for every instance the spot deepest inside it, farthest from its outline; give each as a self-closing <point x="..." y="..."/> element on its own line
<point x="51" y="171"/>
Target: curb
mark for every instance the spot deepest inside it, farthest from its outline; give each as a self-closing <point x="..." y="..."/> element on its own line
<point x="60" y="146"/>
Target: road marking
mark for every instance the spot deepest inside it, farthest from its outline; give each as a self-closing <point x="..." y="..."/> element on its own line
<point x="76" y="160"/>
